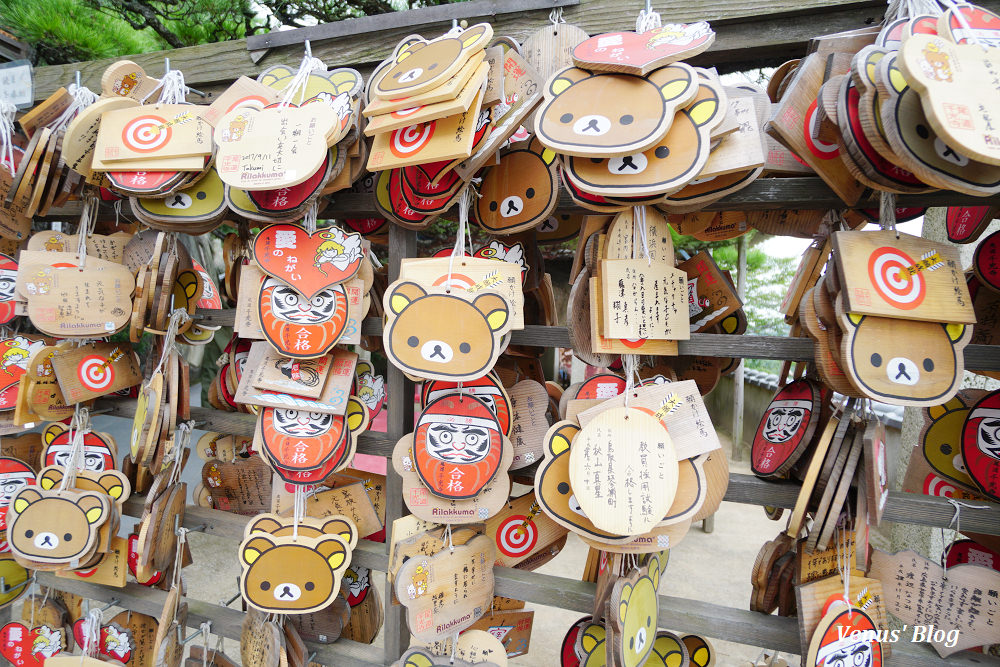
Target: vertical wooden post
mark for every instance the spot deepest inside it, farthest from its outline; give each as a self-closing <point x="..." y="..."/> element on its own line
<point x="741" y="286"/>
<point x="395" y="634"/>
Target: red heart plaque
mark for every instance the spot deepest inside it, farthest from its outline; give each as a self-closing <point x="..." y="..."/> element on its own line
<point x="308" y="263"/>
<point x="29" y="648"/>
<point x="641" y="53"/>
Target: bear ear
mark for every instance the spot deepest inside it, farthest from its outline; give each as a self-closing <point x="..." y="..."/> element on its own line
<point x="561" y="438"/>
<point x="403" y="294"/>
<point x="896" y="79"/>
<point x="855" y="319"/>
<point x="333" y="550"/>
<point x="94" y="506"/>
<point x="955" y="332"/>
<point x="356" y="415"/>
<point x="52" y="431"/>
<point x="547" y="154"/>
<point x="254" y="547"/>
<point x="623" y="605"/>
<point x="419" y="659"/>
<point x="706" y="106"/>
<point x="408" y="47"/>
<point x="494" y="307"/>
<point x="592" y="636"/>
<point x="937" y="411"/>
<point x="265" y="524"/>
<point x="342" y="526"/>
<point x="654" y="572"/>
<point x="560" y="81"/>
<point x="346" y="80"/>
<point x="274" y="74"/>
<point x="113" y="484"/>
<point x="25" y="497"/>
<point x="476" y="36"/>
<point x="50" y="477"/>
<point x="677" y="82"/>
<point x="363" y="367"/>
<point x="871" y="61"/>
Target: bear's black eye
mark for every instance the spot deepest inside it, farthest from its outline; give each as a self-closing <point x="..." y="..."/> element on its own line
<point x="464" y="348"/>
<point x="946" y="449"/>
<point x="265" y="585"/>
<point x="928" y="365"/>
<point x="432" y="66"/>
<point x="529" y="193"/>
<point x="631" y="643"/>
<point x="563" y="488"/>
<point x="876" y="360"/>
<point x="201" y="195"/>
<point x="493" y="206"/>
<point x="67" y="537"/>
<point x="662" y="152"/>
<point x="922" y="132"/>
<point x="309" y="586"/>
<point x="649" y="621"/>
<point x="626" y="119"/>
<point x="396" y="75"/>
<point x="29" y="533"/>
<point x="566" y="118"/>
<point x="413" y="341"/>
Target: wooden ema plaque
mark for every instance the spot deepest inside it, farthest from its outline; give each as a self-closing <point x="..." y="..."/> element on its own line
<point x="905" y="277"/>
<point x="641" y="53"/>
<point x="786" y="429"/>
<point x="981" y="445"/>
<point x="447" y="592"/>
<point x="643" y="300"/>
<point x="711" y="297"/>
<point x="522" y="530"/>
<point x="796" y="113"/>
<point x="845" y="634"/>
<point x="602" y="471"/>
<point x="956" y="603"/>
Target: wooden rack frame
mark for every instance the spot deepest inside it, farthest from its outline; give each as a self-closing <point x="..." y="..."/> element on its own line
<point x="750" y="33"/>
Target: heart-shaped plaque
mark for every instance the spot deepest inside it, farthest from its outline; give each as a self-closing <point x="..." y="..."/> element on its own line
<point x="310" y="263"/>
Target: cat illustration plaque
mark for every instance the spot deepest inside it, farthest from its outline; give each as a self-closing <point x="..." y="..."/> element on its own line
<point x="457" y="446"/>
<point x="786" y="429"/>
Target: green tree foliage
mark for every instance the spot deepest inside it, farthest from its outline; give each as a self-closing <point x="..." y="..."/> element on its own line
<point x="66" y="31"/>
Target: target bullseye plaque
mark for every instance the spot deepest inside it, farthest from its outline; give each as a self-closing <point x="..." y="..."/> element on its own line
<point x="901" y="276"/>
<point x="786" y="429"/>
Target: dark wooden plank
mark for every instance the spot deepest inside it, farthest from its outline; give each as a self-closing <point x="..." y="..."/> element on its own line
<point x="900" y="507"/>
<point x="413" y="20"/>
<point x="396" y="636"/>
<point x="210" y="66"/>
<point x="762" y="194"/>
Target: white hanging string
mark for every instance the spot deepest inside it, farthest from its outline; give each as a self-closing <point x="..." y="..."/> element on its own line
<point x="648" y="19"/>
<point x="172" y="88"/>
<point x="7" y="111"/>
<point x="175" y="580"/>
<point x="182" y="440"/>
<point x="85" y="228"/>
<point x="971" y="35"/>
<point x="92" y="632"/>
<point x="206" y="627"/>
<point x="556" y="17"/>
<point x="178" y="317"/>
<point x="309" y="219"/>
<point x="464" y="201"/>
<point x="79" y="427"/>
<point x="639" y="225"/>
<point x="301" y="78"/>
<point x="956" y="525"/>
<point x="298" y="510"/>
<point x="843" y="555"/>
<point x="887" y="212"/>
<point x="83" y="97"/>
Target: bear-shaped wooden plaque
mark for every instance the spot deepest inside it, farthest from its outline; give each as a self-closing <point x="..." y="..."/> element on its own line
<point x="442" y="333"/>
<point x="634" y="615"/>
<point x="634" y="113"/>
<point x="642" y="52"/>
<point x="446" y="593"/>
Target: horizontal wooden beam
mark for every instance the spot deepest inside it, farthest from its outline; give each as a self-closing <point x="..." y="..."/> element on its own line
<point x="412" y="20"/>
<point x="774" y="30"/>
